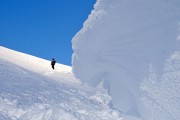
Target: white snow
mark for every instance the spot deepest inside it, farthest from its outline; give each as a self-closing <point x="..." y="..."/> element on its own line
<point x="121" y="42"/>
<point x="31" y="90"/>
<point x="37" y="65"/>
<point x="126" y="62"/>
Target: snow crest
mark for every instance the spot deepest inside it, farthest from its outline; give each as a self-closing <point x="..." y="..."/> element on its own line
<point x="118" y="46"/>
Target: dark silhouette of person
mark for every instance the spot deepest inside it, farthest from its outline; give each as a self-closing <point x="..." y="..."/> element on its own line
<point x="53" y="62"/>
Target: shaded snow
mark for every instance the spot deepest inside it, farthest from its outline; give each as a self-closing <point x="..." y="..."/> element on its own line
<point x="161" y="92"/>
<point x="118" y="44"/>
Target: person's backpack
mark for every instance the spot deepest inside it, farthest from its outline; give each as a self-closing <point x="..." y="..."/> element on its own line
<point x="53" y="62"/>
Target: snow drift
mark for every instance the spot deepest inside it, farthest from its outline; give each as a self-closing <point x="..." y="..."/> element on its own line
<point x="119" y="44"/>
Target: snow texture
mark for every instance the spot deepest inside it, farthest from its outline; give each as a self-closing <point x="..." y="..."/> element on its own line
<point x="120" y="44"/>
<point x="162" y="92"/>
<point x="31" y="90"/>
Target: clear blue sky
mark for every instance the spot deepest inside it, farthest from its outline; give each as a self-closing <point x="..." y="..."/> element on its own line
<point x="43" y="28"/>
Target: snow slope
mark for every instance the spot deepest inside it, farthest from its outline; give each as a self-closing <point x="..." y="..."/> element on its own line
<point x="120" y="43"/>
<point x="37" y="65"/>
<point x="31" y="90"/>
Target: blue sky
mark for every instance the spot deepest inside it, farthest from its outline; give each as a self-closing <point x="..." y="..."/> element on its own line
<point x="43" y="28"/>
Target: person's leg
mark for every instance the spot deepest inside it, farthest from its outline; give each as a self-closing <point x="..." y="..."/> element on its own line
<point x="53" y="67"/>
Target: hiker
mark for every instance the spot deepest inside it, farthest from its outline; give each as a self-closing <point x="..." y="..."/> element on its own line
<point x="53" y="62"/>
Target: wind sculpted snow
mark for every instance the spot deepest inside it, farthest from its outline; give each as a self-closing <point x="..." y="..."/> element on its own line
<point x="32" y="94"/>
<point x="119" y="42"/>
<point x="161" y="92"/>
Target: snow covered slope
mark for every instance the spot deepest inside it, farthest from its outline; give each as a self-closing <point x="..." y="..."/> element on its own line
<point x="37" y="65"/>
<point x="31" y="90"/>
<point x="119" y="44"/>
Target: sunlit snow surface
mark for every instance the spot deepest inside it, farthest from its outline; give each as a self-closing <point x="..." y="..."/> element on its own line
<point x="38" y="93"/>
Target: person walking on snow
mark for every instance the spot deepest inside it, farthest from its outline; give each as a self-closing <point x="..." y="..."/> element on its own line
<point x="53" y="62"/>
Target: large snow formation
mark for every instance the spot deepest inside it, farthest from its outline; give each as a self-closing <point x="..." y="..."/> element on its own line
<point x="121" y="43"/>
